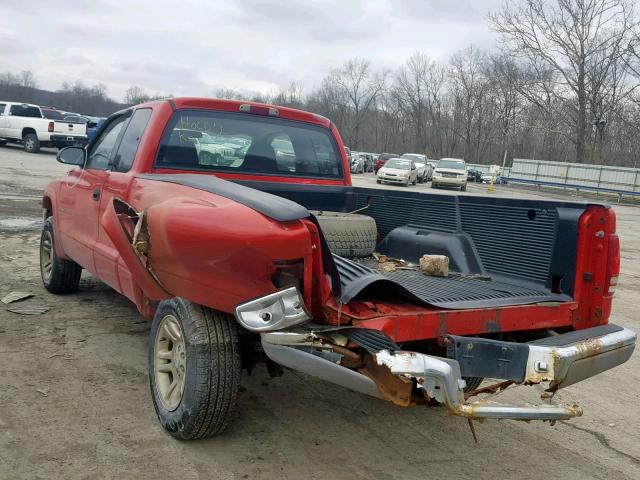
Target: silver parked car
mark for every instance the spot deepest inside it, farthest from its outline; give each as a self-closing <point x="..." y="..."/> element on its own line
<point x="398" y="170"/>
<point x="357" y="164"/>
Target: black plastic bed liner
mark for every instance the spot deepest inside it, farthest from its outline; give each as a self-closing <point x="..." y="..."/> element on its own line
<point x="452" y="292"/>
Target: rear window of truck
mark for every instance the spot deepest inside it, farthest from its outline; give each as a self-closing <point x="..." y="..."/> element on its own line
<point x="52" y="114"/>
<point x="25" y="111"/>
<point x="245" y="143"/>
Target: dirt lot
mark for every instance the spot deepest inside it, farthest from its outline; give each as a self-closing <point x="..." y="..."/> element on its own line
<point x="76" y="403"/>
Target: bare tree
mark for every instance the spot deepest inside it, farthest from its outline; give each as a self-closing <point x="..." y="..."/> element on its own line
<point x="291" y="96"/>
<point x="360" y="87"/>
<point x="135" y="95"/>
<point x="469" y="89"/>
<point x="418" y="88"/>
<point x="574" y="38"/>
<point x="27" y="79"/>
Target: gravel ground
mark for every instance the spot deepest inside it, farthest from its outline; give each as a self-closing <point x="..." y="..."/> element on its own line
<point x="76" y="403"/>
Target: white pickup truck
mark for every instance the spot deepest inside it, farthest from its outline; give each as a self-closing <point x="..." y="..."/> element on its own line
<point x="24" y="123"/>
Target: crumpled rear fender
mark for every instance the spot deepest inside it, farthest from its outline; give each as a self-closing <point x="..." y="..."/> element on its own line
<point x="215" y="253"/>
<point x="121" y="223"/>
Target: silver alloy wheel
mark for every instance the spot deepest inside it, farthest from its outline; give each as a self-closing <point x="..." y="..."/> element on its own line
<point x="29" y="143"/>
<point x="170" y="362"/>
<point x="46" y="255"/>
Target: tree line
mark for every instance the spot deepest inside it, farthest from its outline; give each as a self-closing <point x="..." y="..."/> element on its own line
<point x="564" y="85"/>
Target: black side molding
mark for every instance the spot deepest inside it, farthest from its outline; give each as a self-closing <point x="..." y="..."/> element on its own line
<point x="272" y="206"/>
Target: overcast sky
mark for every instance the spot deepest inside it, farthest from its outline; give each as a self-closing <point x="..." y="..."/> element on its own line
<point x="189" y="47"/>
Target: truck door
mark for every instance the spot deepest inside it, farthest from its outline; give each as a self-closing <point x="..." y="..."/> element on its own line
<point x="3" y="119"/>
<point x="13" y="121"/>
<point x="80" y="195"/>
<point x="109" y="266"/>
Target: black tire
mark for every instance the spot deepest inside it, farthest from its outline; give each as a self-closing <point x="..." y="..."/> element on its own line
<point x="211" y="374"/>
<point x="433" y="185"/>
<point x="378" y="181"/>
<point x="463" y="188"/>
<point x="348" y="235"/>
<point x="472" y="383"/>
<point x="3" y="143"/>
<point x="31" y="143"/>
<point x="59" y="276"/>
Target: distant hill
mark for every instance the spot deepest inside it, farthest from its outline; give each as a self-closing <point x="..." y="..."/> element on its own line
<point x="76" y="98"/>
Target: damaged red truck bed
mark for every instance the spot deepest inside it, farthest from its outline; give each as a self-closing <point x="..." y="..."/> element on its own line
<point x="236" y="227"/>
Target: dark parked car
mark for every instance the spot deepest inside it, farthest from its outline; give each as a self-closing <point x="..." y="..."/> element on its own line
<point x="474" y="176"/>
<point x="382" y="159"/>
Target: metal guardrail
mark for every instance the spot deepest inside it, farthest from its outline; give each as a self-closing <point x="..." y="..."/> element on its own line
<point x="617" y="181"/>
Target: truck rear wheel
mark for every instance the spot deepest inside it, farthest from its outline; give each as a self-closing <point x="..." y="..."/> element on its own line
<point x="348" y="235"/>
<point x="194" y="368"/>
<point x="31" y="143"/>
<point x="58" y="275"/>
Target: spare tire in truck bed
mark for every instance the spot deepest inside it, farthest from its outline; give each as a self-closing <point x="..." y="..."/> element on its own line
<point x="348" y="234"/>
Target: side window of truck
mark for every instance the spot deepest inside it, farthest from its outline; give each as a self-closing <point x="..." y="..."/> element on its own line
<point x="102" y="149"/>
<point x="131" y="139"/>
<point x="2" y="107"/>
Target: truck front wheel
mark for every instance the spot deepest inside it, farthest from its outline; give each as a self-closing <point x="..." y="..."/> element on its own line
<point x="194" y="368"/>
<point x="58" y="275"/>
<point x="31" y="143"/>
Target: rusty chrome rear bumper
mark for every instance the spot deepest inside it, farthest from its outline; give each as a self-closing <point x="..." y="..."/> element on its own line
<point x="561" y="360"/>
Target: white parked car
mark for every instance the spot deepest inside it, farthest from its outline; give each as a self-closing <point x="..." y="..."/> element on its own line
<point x="424" y="169"/>
<point x="398" y="170"/>
<point x="25" y="123"/>
<point x="450" y="172"/>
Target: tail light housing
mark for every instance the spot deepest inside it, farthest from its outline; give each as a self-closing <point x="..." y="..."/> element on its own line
<point x="289" y="274"/>
<point x="50" y="127"/>
<point x="613" y="263"/>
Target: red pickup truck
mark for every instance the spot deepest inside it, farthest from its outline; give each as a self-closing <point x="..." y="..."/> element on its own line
<point x="235" y="226"/>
